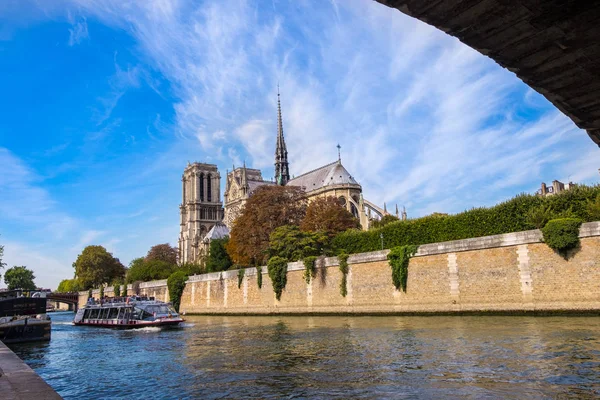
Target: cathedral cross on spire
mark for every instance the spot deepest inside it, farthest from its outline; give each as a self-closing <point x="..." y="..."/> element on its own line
<point x="282" y="170"/>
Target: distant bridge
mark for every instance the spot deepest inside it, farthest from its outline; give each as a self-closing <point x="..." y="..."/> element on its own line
<point x="67" y="298"/>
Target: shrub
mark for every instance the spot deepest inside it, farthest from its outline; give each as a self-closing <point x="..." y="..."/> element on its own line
<point x="277" y="268"/>
<point x="176" y="284"/>
<point x="593" y="208"/>
<point x="537" y="217"/>
<point x="562" y="235"/>
<point x="343" y="259"/>
<point x="508" y="216"/>
<point x="124" y="290"/>
<point x="102" y="291"/>
<point x="117" y="289"/>
<point x="399" y="258"/>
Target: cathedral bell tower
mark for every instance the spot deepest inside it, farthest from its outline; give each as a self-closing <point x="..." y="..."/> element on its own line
<point x="282" y="170"/>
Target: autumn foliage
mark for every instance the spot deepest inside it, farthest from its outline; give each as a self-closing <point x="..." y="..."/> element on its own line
<point x="326" y="215"/>
<point x="268" y="208"/>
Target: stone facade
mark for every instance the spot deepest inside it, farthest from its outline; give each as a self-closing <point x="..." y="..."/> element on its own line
<point x="239" y="185"/>
<point x="200" y="210"/>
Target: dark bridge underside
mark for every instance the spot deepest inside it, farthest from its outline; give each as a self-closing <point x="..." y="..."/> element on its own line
<point x="552" y="45"/>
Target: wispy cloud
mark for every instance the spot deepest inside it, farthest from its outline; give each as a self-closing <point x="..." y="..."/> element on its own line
<point x="79" y="32"/>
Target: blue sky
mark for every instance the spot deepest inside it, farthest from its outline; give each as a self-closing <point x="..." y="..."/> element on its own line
<point x="105" y="101"/>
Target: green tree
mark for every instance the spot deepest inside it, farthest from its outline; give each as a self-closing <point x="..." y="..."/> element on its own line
<point x="593" y="209"/>
<point x="19" y="278"/>
<point x="268" y="208"/>
<point x="163" y="252"/>
<point x="141" y="270"/>
<point x="96" y="266"/>
<point x="218" y="259"/>
<point x="386" y="219"/>
<point x="291" y="244"/>
<point x="2" y="264"/>
<point x="69" y="286"/>
<point x="325" y="214"/>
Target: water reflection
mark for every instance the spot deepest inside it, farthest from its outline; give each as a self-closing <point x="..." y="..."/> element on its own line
<point x="326" y="357"/>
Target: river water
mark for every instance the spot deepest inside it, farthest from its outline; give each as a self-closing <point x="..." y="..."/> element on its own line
<point x="325" y="357"/>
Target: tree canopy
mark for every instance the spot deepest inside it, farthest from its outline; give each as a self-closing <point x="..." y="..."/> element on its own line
<point x="68" y="286"/>
<point x="386" y="219"/>
<point x="19" y="277"/>
<point x="268" y="208"/>
<point x="2" y="264"/>
<point x="218" y="259"/>
<point x="96" y="266"/>
<point x="325" y="214"/>
<point x="292" y="244"/>
<point x="163" y="252"/>
<point x="142" y="270"/>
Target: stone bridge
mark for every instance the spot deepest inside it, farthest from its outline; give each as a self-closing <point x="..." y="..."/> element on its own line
<point x="67" y="298"/>
<point x="552" y="45"/>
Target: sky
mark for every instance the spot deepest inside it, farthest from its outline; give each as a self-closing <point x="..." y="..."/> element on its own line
<point x="105" y="101"/>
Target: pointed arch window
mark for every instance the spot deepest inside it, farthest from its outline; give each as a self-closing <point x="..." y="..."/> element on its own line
<point x="208" y="187"/>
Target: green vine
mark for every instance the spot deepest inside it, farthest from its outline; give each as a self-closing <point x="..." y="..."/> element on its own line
<point x="562" y="234"/>
<point x="277" y="268"/>
<point x="309" y="268"/>
<point x="241" y="273"/>
<point x="102" y="291"/>
<point x="399" y="257"/>
<point x="343" y="260"/>
<point x="259" y="276"/>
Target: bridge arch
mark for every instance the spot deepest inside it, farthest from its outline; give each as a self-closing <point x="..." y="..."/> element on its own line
<point x="550" y="45"/>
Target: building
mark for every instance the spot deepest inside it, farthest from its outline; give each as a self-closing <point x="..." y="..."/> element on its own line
<point x="332" y="179"/>
<point x="556" y="187"/>
<point x="200" y="210"/>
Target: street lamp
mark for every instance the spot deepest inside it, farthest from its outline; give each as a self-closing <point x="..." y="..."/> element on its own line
<point x="381" y="237"/>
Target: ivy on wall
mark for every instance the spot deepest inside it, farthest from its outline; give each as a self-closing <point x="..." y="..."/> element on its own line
<point x="343" y="260"/>
<point x="241" y="273"/>
<point x="562" y="235"/>
<point x="259" y="276"/>
<point x="399" y="258"/>
<point x="277" y="268"/>
<point x="176" y="285"/>
<point x="310" y="269"/>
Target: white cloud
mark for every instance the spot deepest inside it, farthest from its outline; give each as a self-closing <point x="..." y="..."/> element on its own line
<point x="78" y="33"/>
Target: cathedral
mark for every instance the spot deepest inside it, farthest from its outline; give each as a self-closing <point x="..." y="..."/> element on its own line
<point x="332" y="179"/>
<point x="204" y="218"/>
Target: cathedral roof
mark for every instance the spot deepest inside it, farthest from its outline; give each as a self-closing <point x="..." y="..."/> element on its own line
<point x="219" y="231"/>
<point x="327" y="175"/>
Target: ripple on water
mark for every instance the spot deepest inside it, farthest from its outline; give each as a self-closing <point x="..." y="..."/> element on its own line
<point x="324" y="357"/>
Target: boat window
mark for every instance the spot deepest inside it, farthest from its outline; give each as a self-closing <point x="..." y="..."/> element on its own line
<point x="94" y="312"/>
<point x="113" y="312"/>
<point x="86" y="314"/>
<point x="105" y="313"/>
<point x="160" y="309"/>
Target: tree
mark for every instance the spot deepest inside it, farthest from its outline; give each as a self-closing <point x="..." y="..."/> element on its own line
<point x="19" y="278"/>
<point x="2" y="264"/>
<point x="68" y="286"/>
<point x="291" y="244"/>
<point x="325" y="214"/>
<point x="163" y="252"/>
<point x="268" y="208"/>
<point x="218" y="259"/>
<point x="96" y="266"/>
<point x="386" y="219"/>
<point x="142" y="270"/>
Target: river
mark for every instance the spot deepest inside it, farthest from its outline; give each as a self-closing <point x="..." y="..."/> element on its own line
<point x="216" y="357"/>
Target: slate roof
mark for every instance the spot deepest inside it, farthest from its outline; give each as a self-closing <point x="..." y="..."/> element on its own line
<point x="219" y="231"/>
<point x="327" y="175"/>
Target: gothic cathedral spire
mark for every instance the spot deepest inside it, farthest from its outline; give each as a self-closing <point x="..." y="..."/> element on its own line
<point x="282" y="170"/>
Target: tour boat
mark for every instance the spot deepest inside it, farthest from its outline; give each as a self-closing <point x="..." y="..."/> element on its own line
<point x="23" y="317"/>
<point x="128" y="312"/>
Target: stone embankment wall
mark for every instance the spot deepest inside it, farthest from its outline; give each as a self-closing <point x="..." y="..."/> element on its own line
<point x="157" y="289"/>
<point x="513" y="272"/>
<point x="504" y="273"/>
